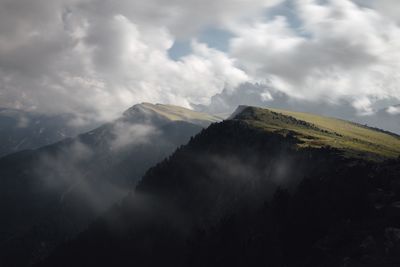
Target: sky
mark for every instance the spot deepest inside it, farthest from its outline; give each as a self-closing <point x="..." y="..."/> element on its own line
<point x="96" y="58"/>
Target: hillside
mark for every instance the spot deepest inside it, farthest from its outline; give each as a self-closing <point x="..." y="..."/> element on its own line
<point x="20" y="130"/>
<point x="52" y="193"/>
<point x="248" y="192"/>
<point x="354" y="140"/>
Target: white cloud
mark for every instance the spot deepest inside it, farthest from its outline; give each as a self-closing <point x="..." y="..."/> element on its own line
<point x="363" y="106"/>
<point x="389" y="8"/>
<point x="128" y="134"/>
<point x="98" y="57"/>
<point x="341" y="50"/>
<point x="393" y="110"/>
<point x="181" y="17"/>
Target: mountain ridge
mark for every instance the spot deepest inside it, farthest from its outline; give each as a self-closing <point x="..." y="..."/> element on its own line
<point x="20" y="130"/>
<point x="173" y="113"/>
<point x="239" y="194"/>
<point x="316" y="131"/>
<point x="62" y="187"/>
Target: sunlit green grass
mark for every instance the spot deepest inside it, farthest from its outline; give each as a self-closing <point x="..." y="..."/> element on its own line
<point x="176" y="113"/>
<point x="352" y="139"/>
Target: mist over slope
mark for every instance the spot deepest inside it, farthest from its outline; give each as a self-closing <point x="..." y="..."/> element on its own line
<point x="254" y="191"/>
<point x="20" y="130"/>
<point x="52" y="193"/>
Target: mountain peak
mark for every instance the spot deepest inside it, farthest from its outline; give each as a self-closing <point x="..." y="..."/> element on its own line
<point x="238" y="111"/>
<point x="169" y="113"/>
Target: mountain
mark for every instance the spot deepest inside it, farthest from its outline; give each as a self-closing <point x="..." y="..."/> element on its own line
<point x="353" y="139"/>
<point x="51" y="193"/>
<point x="176" y="113"/>
<point x="263" y="188"/>
<point x="382" y="114"/>
<point x="20" y="130"/>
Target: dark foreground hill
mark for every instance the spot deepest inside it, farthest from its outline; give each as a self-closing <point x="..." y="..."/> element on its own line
<point x="50" y="194"/>
<point x="260" y="189"/>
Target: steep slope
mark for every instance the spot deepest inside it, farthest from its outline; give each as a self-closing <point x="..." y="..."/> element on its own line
<point x="21" y="130"/>
<point x="250" y="192"/>
<point x="52" y="193"/>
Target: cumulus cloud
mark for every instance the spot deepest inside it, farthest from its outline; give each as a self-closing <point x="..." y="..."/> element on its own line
<point x="339" y="50"/>
<point x="96" y="58"/>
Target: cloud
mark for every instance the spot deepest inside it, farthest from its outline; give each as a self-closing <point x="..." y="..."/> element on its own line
<point x="389" y="8"/>
<point x="393" y="110"/>
<point x="181" y="17"/>
<point x="82" y="167"/>
<point x="96" y="58"/>
<point x="63" y="169"/>
<point x="340" y="50"/>
<point x="80" y="52"/>
<point x="363" y="105"/>
<point x="127" y="134"/>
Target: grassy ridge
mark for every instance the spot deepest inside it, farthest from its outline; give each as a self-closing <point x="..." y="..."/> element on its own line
<point x="317" y="131"/>
<point x="176" y="113"/>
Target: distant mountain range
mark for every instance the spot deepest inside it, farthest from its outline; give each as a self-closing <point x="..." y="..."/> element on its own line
<point x="20" y="130"/>
<point x="265" y="187"/>
<point x="52" y="193"/>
